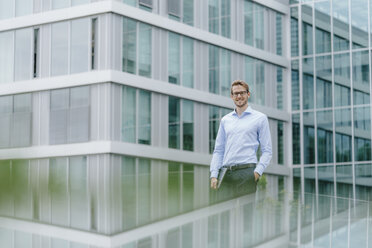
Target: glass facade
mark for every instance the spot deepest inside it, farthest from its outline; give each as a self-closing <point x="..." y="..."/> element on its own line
<point x="331" y="74"/>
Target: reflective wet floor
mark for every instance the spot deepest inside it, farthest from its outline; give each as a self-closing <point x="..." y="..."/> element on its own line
<point x="118" y="201"/>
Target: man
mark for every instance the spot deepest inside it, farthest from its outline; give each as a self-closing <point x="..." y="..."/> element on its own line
<point x="239" y="135"/>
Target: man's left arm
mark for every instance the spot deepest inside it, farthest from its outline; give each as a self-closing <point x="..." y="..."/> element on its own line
<point x="264" y="138"/>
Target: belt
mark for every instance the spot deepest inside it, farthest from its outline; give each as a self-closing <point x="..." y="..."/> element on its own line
<point x="239" y="166"/>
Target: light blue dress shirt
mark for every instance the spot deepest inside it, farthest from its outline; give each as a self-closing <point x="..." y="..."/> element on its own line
<point x="238" y="138"/>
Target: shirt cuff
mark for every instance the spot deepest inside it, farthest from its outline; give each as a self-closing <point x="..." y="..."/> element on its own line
<point x="214" y="174"/>
<point x="259" y="169"/>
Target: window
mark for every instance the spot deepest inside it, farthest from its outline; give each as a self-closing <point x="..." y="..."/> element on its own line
<point x="342" y="95"/>
<point x="325" y="136"/>
<point x="69" y="115"/>
<point x="322" y="27"/>
<point x="36" y="53"/>
<point x="215" y="116"/>
<point x="295" y="78"/>
<point x="361" y="70"/>
<point x="219" y="17"/>
<point x="142" y="4"/>
<point x="68" y="191"/>
<point x="94" y="40"/>
<point x="6" y="10"/>
<point x="308" y="83"/>
<point x="341" y="23"/>
<point x="145" y="4"/>
<point x="219" y="70"/>
<point x="279" y="88"/>
<point x="23" y="54"/>
<point x="255" y="78"/>
<point x="254" y="24"/>
<point x="129" y="46"/>
<point x="343" y="134"/>
<point x="279" y="32"/>
<point x="79" y="45"/>
<point x="58" y="4"/>
<point x="6" y="56"/>
<point x="294" y="32"/>
<point x="144" y="50"/>
<point x="20" y="180"/>
<point x="323" y="93"/>
<point x="136" y="116"/>
<point x="309" y="138"/>
<point x="181" y="236"/>
<point x="180" y="60"/>
<point x="70" y="55"/>
<point x="136" y="49"/>
<point x="280" y="131"/>
<point x="19" y="54"/>
<point x="15" y="120"/>
<point x="181" y="10"/>
<point x="307" y="29"/>
<point x="17" y="7"/>
<point x="180" y="124"/>
<point x="136" y="191"/>
<point x="180" y="188"/>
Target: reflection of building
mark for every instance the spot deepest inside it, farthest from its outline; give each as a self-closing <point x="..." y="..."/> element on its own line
<point x="331" y="98"/>
<point x="124" y="194"/>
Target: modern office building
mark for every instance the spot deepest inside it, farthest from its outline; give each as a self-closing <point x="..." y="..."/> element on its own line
<point x="109" y="112"/>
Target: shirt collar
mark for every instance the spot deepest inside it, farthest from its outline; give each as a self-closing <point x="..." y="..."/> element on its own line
<point x="248" y="110"/>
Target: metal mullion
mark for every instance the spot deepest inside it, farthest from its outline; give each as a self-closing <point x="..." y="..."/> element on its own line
<point x="301" y="102"/>
<point x="349" y="222"/>
<point x="31" y="59"/>
<point x="11" y="184"/>
<point x="69" y="37"/>
<point x="181" y="60"/>
<point x="219" y="18"/>
<point x="90" y="39"/>
<point x="14" y="54"/>
<point x="68" y="187"/>
<point x="136" y="190"/>
<point x="330" y="221"/>
<point x="181" y="187"/>
<point x="181" y="12"/>
<point x="137" y="46"/>
<point x="333" y="107"/>
<point x="89" y="200"/>
<point x="121" y="97"/>
<point x="315" y="108"/>
<point x="30" y="186"/>
<point x="368" y="221"/>
<point x="14" y="9"/>
<point x="137" y="117"/>
<point x="351" y="100"/>
<point x="181" y="124"/>
<point x="370" y="80"/>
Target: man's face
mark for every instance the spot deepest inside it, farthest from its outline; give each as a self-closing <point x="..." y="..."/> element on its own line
<point x="240" y="96"/>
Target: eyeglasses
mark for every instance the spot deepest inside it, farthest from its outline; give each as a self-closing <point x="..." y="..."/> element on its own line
<point x="242" y="93"/>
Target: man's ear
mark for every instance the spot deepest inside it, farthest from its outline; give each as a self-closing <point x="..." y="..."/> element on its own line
<point x="249" y="94"/>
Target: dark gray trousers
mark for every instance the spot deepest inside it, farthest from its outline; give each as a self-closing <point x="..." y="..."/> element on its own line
<point x="235" y="183"/>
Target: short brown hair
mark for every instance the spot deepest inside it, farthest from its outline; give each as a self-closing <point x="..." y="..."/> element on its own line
<point x="241" y="83"/>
